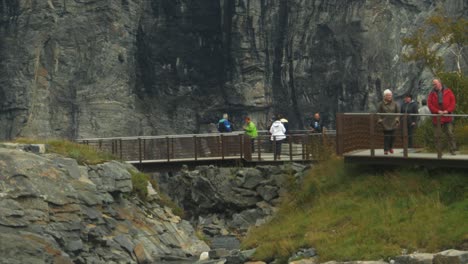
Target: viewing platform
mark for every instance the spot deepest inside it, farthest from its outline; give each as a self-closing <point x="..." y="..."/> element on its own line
<point x="360" y="140"/>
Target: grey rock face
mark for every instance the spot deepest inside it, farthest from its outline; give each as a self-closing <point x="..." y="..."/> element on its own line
<point x="222" y="199"/>
<point x="54" y="211"/>
<point x="123" y="68"/>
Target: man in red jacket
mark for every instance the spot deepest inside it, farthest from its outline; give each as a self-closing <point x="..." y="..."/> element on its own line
<point x="441" y="101"/>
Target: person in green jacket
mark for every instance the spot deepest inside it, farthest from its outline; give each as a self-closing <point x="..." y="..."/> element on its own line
<point x="251" y="130"/>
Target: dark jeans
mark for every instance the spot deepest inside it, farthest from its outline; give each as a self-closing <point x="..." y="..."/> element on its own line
<point x="447" y="129"/>
<point x="410" y="135"/>
<point x="252" y="142"/>
<point x="278" y="148"/>
<point x="389" y="138"/>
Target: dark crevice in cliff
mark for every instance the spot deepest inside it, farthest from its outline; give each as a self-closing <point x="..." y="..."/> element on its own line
<point x="228" y="13"/>
<point x="183" y="50"/>
<point x="295" y="105"/>
<point x="280" y="94"/>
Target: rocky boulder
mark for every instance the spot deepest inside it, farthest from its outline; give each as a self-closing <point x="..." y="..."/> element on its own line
<point x="53" y="210"/>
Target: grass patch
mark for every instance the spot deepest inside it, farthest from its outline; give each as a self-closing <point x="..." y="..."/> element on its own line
<point x="351" y="213"/>
<point x="140" y="188"/>
<point x="82" y="153"/>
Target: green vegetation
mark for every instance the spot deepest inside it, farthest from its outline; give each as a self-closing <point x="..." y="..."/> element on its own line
<point x="424" y="136"/>
<point x="442" y="31"/>
<point x="351" y="213"/>
<point x="140" y="188"/>
<point x="82" y="153"/>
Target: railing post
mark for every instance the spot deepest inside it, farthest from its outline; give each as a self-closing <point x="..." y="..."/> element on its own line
<point x="438" y="137"/>
<point x="274" y="148"/>
<point x="144" y="149"/>
<point x="222" y="146"/>
<point x="168" y="149"/>
<point x="372" y="134"/>
<point x="100" y="144"/>
<point x="290" y="147"/>
<point x="247" y="147"/>
<point x="259" y="149"/>
<point x="405" y="135"/>
<point x="241" y="145"/>
<point x="339" y="134"/>
<point x="121" y="154"/>
<point x="195" y="147"/>
<point x="172" y="148"/>
<point x="139" y="150"/>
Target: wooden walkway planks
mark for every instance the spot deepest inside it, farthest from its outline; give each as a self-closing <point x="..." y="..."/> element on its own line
<point x="363" y="156"/>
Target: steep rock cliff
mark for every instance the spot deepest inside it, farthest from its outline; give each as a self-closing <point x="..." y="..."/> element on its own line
<point x="139" y="67"/>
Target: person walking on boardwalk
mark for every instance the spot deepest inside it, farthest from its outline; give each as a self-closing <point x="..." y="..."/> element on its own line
<point x="388" y="122"/>
<point x="278" y="134"/>
<point x="224" y="125"/>
<point x="441" y="101"/>
<point x="410" y="107"/>
<point x="424" y="111"/>
<point x="251" y="130"/>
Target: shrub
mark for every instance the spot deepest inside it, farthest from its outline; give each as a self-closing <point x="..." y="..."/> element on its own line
<point x="140" y="188"/>
<point x="140" y="184"/>
<point x="425" y="135"/>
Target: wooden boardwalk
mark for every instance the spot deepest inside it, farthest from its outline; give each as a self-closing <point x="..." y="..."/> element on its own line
<point x="417" y="157"/>
<point x="359" y="139"/>
<point x="236" y="147"/>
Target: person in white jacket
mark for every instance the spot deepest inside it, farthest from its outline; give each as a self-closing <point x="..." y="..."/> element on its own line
<point x="278" y="135"/>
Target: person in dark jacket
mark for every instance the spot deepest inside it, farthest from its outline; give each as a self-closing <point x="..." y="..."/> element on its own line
<point x="316" y="124"/>
<point x="388" y="122"/>
<point x="410" y="107"/>
<point x="224" y="125"/>
<point x="441" y="101"/>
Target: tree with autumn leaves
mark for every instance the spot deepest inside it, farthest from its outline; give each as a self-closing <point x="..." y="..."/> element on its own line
<point x="440" y="31"/>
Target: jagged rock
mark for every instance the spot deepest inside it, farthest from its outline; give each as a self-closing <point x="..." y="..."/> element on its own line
<point x="51" y="215"/>
<point x="246" y="218"/>
<point x="305" y="254"/>
<point x="415" y="258"/>
<point x="225" y="242"/>
<point x="267" y="192"/>
<point x="451" y="257"/>
<point x="112" y="177"/>
<point x="304" y="261"/>
<point x="252" y="177"/>
<point x="34" y="148"/>
<point x="357" y="262"/>
<point x="218" y="253"/>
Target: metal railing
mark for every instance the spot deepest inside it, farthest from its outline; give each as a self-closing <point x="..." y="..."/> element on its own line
<point x="358" y="131"/>
<point x="298" y="146"/>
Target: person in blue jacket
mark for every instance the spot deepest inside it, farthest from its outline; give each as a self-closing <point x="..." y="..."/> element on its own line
<point x="224" y="125"/>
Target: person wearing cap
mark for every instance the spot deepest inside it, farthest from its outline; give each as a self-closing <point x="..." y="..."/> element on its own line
<point x="410" y="107"/>
<point x="441" y="101"/>
<point x="251" y="130"/>
<point x="389" y="122"/>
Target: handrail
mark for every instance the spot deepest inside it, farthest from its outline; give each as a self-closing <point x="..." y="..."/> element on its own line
<point x="234" y="133"/>
<point x="402" y="114"/>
